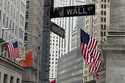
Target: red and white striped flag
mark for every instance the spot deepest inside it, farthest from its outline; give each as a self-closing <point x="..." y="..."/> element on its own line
<point x="89" y="51"/>
<point x="13" y="50"/>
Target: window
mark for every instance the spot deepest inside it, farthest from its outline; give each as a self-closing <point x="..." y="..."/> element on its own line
<point x="38" y="47"/>
<point x="27" y="15"/>
<point x="104" y="12"/>
<point x="18" y="80"/>
<point x="27" y="3"/>
<point x="104" y="33"/>
<point x="5" y="78"/>
<point x="105" y="27"/>
<point x="26" y="38"/>
<point x="11" y="80"/>
<point x="104" y="19"/>
<point x="101" y="5"/>
<point x="101" y="19"/>
<point x="26" y="25"/>
<point x="101" y="33"/>
<point x="104" y="6"/>
<point x="101" y="12"/>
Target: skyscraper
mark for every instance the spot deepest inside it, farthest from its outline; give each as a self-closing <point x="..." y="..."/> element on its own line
<point x="58" y="45"/>
<point x="37" y="41"/>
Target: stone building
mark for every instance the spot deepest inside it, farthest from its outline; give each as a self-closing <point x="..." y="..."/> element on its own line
<point x="12" y="28"/>
<point x="114" y="49"/>
<point x="10" y="72"/>
<point x="70" y="67"/>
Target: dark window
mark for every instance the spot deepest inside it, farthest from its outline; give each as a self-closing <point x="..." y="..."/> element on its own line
<point x="27" y="16"/>
<point x="104" y="26"/>
<point x="101" y="33"/>
<point x="104" y="12"/>
<point x="26" y="25"/>
<point x="101" y="19"/>
<point x="104" y="19"/>
<point x="5" y="78"/>
<point x="101" y="26"/>
<point x="101" y="5"/>
<point x="104" y="6"/>
<point x="11" y="80"/>
<point x="25" y="37"/>
<point x="39" y="48"/>
<point x="18" y="80"/>
<point x="101" y="12"/>
<point x="104" y="33"/>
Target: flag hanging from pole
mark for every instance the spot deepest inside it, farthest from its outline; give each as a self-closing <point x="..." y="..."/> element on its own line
<point x="87" y="45"/>
<point x="89" y="51"/>
<point x="12" y="49"/>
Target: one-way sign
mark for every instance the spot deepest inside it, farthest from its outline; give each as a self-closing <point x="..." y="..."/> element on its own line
<point x="68" y="11"/>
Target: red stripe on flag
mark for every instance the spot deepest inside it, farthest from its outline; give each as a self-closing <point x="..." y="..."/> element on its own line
<point x="10" y="49"/>
<point x="13" y="52"/>
<point x="98" y="65"/>
<point x="92" y="45"/>
<point x="94" y="67"/>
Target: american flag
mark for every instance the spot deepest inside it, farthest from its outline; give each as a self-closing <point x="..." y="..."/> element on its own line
<point x="13" y="50"/>
<point x="90" y="54"/>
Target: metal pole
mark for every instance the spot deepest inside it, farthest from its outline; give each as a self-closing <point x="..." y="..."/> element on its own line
<point x="45" y="42"/>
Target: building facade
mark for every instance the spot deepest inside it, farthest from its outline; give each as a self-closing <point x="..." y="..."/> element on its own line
<point x="33" y="41"/>
<point x="12" y="28"/>
<point x="70" y="67"/>
<point x="12" y="21"/>
<point x="10" y="72"/>
<point x="58" y="45"/>
<point x="115" y="45"/>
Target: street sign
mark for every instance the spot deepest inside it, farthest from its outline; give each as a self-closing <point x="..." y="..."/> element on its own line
<point x="68" y="11"/>
<point x="57" y="30"/>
